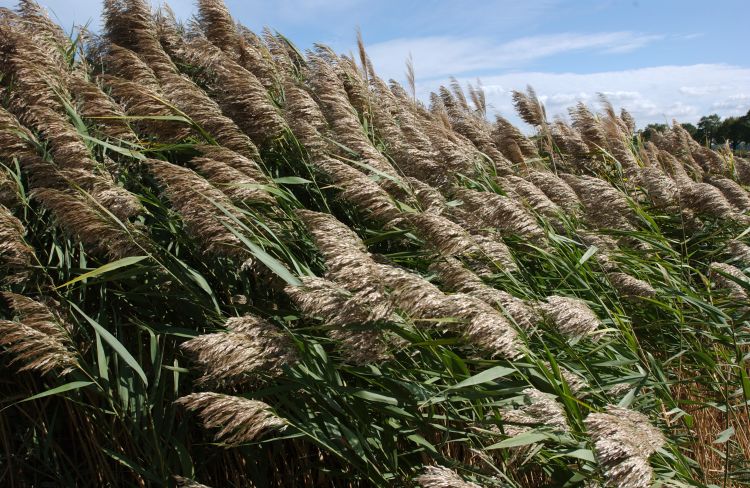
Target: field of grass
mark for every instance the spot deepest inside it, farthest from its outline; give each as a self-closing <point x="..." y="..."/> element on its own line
<point x="228" y="263"/>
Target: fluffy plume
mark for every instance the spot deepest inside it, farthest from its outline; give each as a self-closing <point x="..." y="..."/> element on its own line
<point x="589" y="126"/>
<point x="442" y="477"/>
<point x="240" y="44"/>
<point x="238" y="419"/>
<point x="240" y="185"/>
<point x="40" y="96"/>
<point x="482" y="325"/>
<point x="359" y="190"/>
<point x="705" y="199"/>
<point x="493" y="210"/>
<point x="628" y="121"/>
<point x="14" y="138"/>
<point x="190" y="99"/>
<point x="477" y="130"/>
<point x="8" y="190"/>
<point x="486" y="329"/>
<point x="739" y="251"/>
<point x="348" y="262"/>
<point x="513" y="144"/>
<point x="629" y="286"/>
<point x="250" y="346"/>
<point x="455" y="277"/>
<point x="569" y="140"/>
<point x="305" y="118"/>
<point x="538" y="409"/>
<point x="490" y="254"/>
<point x="130" y="24"/>
<point x="557" y="190"/>
<point x="661" y="189"/>
<point x="140" y="100"/>
<point x="576" y="383"/>
<point x="571" y="316"/>
<point x="409" y="147"/>
<point x="447" y="237"/>
<point x="529" y="107"/>
<point x="624" y="440"/>
<point x="529" y="194"/>
<point x="96" y="106"/>
<point x="340" y="114"/>
<point x="16" y="256"/>
<point x="717" y="272"/>
<point x="322" y="298"/>
<point x="257" y="58"/>
<point x="37" y="22"/>
<point x="733" y="192"/>
<point x="81" y="218"/>
<point x="240" y="94"/>
<point x="605" y="205"/>
<point x="418" y="194"/>
<point x="218" y="25"/>
<point x="197" y="202"/>
<point x="318" y="297"/>
<point x="37" y="339"/>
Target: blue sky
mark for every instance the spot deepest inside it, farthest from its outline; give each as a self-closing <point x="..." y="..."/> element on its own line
<point x="661" y="59"/>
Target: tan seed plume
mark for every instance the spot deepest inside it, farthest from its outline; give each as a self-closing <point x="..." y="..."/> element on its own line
<point x="38" y="339"/>
<point x="571" y="316"/>
<point x="238" y="420"/>
<point x="197" y="202"/>
<point x="630" y="287"/>
<point x="734" y="289"/>
<point x="442" y="477"/>
<point x="538" y="409"/>
<point x="95" y="229"/>
<point x="624" y="440"/>
<point x="251" y="346"/>
<point x="16" y="256"/>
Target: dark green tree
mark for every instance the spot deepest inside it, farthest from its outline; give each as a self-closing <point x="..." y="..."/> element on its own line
<point x="649" y="131"/>
<point x="692" y="130"/>
<point x="708" y="126"/>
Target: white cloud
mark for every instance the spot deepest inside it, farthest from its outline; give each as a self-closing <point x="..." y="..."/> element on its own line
<point x="732" y="102"/>
<point x="655" y="94"/>
<point x="441" y="56"/>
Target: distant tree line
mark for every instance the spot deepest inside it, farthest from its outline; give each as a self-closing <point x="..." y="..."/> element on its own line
<point x="712" y="130"/>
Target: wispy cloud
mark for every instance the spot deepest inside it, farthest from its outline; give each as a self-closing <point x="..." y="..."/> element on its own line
<point x="650" y="94"/>
<point x="440" y="56"/>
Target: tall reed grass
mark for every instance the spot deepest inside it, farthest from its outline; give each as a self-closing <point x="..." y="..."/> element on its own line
<point x="225" y="262"/>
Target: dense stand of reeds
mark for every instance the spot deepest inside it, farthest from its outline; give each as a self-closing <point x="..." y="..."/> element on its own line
<point x="224" y="262"/>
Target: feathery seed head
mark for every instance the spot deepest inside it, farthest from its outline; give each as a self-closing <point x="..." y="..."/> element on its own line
<point x="571" y="316"/>
<point x="538" y="409"/>
<point x="94" y="229"/>
<point x="442" y="477"/>
<point x="492" y="209"/>
<point x="38" y="338"/>
<point x="16" y="256"/>
<point x="624" y="440"/>
<point x="630" y="287"/>
<point x="735" y="290"/>
<point x="529" y="107"/>
<point x="739" y="251"/>
<point x="557" y="190"/>
<point x="196" y="200"/>
<point x="251" y="346"/>
<point x="237" y="419"/>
